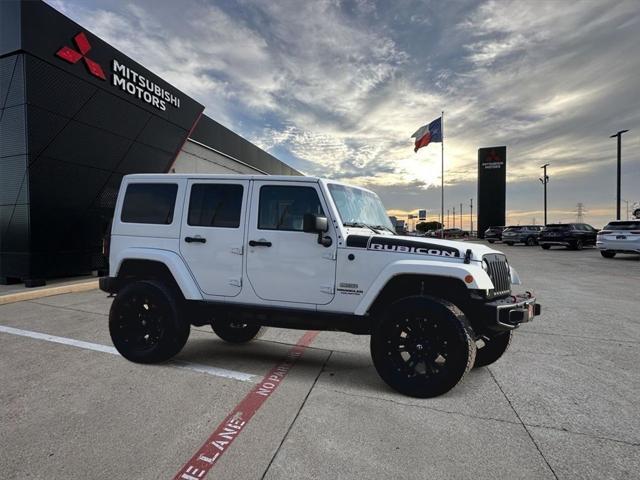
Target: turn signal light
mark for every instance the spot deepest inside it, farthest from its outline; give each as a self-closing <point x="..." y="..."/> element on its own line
<point x="468" y="279"/>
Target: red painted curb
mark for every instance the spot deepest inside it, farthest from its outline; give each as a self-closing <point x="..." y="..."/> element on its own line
<point x="224" y="435"/>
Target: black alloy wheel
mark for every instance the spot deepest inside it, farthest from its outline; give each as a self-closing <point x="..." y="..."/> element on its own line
<point x="495" y="345"/>
<point x="530" y="242"/>
<point x="545" y="246"/>
<point x="236" y="332"/>
<point x="422" y="347"/>
<point x="578" y="245"/>
<point x="607" y="253"/>
<point x="145" y="323"/>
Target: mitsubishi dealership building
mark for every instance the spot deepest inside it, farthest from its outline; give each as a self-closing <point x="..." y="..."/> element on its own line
<point x="75" y="116"/>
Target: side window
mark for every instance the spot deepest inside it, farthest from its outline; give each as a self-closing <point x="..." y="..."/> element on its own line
<point x="284" y="207"/>
<point x="215" y="205"/>
<point x="149" y="203"/>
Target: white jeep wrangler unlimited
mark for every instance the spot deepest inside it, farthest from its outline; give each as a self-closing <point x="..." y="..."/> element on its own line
<point x="243" y="252"/>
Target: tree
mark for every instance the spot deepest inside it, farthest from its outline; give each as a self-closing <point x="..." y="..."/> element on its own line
<point x="428" y="226"/>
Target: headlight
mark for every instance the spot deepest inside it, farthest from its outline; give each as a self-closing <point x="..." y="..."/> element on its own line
<point x="485" y="266"/>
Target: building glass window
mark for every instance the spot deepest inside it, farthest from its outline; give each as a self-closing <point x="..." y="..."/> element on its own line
<point x="149" y="203"/>
<point x="215" y="205"/>
<point x="283" y="208"/>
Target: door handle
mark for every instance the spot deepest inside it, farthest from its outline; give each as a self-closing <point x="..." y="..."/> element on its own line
<point x="195" y="240"/>
<point x="259" y="243"/>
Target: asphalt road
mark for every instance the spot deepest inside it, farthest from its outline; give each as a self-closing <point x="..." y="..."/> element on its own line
<point x="562" y="402"/>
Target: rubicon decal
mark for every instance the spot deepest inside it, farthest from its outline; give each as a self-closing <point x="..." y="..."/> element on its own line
<point x="74" y="56"/>
<point x="401" y="245"/>
<point x="409" y="249"/>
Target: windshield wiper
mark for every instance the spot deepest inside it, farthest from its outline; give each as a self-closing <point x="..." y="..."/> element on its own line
<point x="383" y="227"/>
<point x="361" y="225"/>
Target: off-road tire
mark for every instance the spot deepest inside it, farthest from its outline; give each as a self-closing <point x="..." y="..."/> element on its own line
<point x="145" y="322"/>
<point x="422" y="347"/>
<point x="494" y="347"/>
<point x="607" y="253"/>
<point x="530" y="242"/>
<point x="236" y="332"/>
<point x="545" y="247"/>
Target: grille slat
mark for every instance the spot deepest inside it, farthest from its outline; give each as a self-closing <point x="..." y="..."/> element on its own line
<point x="498" y="272"/>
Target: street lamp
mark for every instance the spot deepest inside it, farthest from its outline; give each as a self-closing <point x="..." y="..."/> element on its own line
<point x="545" y="180"/>
<point x="619" y="136"/>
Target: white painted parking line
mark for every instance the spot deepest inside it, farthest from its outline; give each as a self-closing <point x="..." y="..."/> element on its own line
<point x="194" y="367"/>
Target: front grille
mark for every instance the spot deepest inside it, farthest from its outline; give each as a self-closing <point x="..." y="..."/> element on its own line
<point x="499" y="274"/>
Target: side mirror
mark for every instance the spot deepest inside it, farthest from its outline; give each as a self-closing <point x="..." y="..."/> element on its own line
<point x="317" y="224"/>
<point x="314" y="223"/>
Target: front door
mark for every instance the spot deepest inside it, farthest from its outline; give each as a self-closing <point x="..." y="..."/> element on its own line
<point x="211" y="240"/>
<point x="283" y="262"/>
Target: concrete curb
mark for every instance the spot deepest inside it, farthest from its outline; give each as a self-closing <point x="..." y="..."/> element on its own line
<point x="48" y="292"/>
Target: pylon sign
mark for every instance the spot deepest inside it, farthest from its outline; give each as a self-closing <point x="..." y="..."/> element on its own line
<point x="492" y="179"/>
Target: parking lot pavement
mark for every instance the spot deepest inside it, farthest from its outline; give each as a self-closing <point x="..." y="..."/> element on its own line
<point x="562" y="402"/>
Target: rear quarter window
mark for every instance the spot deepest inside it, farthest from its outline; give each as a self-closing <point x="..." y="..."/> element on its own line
<point x="151" y="203"/>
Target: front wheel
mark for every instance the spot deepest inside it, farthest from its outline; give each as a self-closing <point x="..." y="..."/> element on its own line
<point x="578" y="245"/>
<point x="491" y="241"/>
<point x="530" y="242"/>
<point x="422" y="347"/>
<point x="235" y="332"/>
<point x="494" y="347"/>
<point x="607" y="253"/>
<point x="509" y="243"/>
<point x="145" y="323"/>
<point x="545" y="246"/>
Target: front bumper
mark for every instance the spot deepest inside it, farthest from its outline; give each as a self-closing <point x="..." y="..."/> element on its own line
<point x="508" y="313"/>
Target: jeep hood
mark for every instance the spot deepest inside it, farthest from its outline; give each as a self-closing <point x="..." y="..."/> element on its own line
<point x="419" y="246"/>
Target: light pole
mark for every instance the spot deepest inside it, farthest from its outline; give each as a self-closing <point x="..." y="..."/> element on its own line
<point x="447" y="219"/>
<point x="619" y="136"/>
<point x="545" y="180"/>
<point x="460" y="215"/>
<point x="471" y="215"/>
<point x="454" y="217"/>
<point x="627" y="202"/>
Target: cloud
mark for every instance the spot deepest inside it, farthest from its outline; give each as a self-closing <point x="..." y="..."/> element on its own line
<point x="335" y="88"/>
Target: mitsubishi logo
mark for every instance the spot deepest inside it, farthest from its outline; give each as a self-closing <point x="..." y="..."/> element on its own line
<point x="73" y="56"/>
<point x="493" y="157"/>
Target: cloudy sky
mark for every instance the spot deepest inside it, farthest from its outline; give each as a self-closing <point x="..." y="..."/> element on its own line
<point x="336" y="88"/>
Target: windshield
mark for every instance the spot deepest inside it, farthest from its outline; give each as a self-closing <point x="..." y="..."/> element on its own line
<point x="357" y="206"/>
<point x="513" y="229"/>
<point x="630" y="225"/>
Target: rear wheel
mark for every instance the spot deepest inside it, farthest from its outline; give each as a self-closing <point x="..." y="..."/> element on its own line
<point x="578" y="245"/>
<point x="491" y="241"/>
<point x="509" y="243"/>
<point x="607" y="253"/>
<point x="145" y="323"/>
<point x="545" y="247"/>
<point x="494" y="347"/>
<point x="422" y="347"/>
<point x="530" y="242"/>
<point x="236" y="332"/>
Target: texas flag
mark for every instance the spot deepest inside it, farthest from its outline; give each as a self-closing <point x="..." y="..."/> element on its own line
<point x="428" y="133"/>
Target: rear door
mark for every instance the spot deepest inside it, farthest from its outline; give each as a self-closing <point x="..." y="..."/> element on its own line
<point x="212" y="234"/>
<point x="283" y="262"/>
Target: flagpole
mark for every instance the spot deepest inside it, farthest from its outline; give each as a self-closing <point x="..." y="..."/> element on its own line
<point x="442" y="175"/>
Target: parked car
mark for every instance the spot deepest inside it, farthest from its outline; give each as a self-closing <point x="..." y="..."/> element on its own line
<point x="241" y="252"/>
<point x="619" y="237"/>
<point x="527" y="234"/>
<point x="493" y="234"/>
<point x="572" y="235"/>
